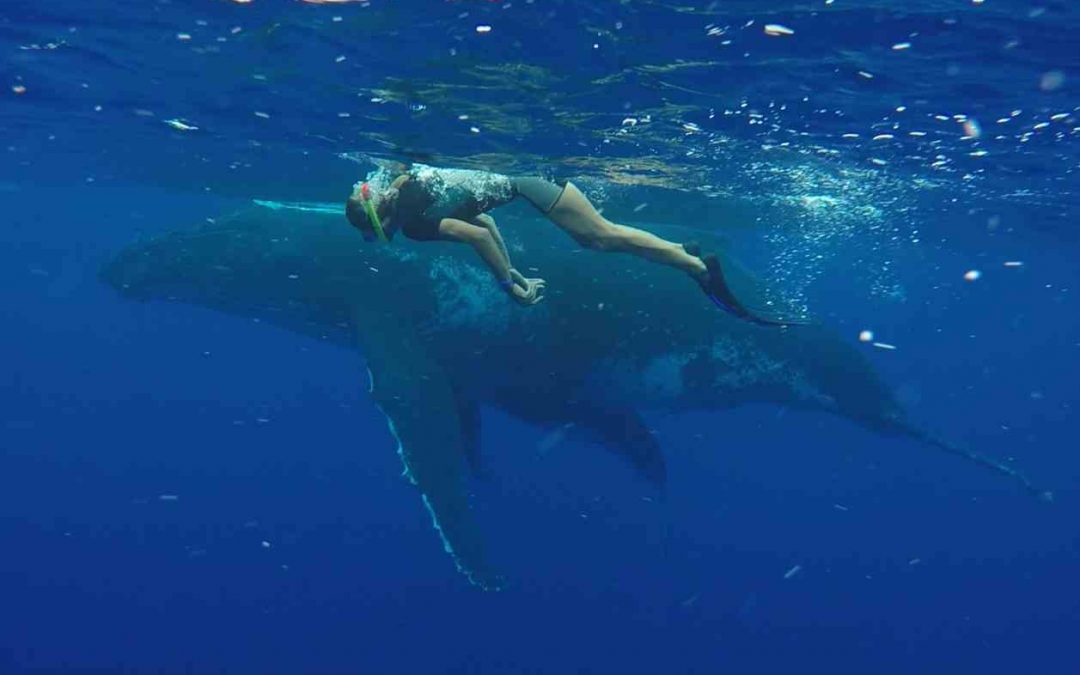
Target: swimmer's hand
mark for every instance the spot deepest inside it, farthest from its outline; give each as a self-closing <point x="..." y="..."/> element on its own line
<point x="528" y="293"/>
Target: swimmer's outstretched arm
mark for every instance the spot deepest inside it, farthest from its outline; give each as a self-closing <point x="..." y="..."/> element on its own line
<point x="487" y="222"/>
<point x="481" y="239"/>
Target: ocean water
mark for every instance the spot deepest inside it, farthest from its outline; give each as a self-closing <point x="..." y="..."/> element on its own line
<point x="184" y="490"/>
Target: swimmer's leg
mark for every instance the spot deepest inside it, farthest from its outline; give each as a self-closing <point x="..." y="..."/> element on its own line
<point x="575" y="214"/>
<point x="577" y="217"/>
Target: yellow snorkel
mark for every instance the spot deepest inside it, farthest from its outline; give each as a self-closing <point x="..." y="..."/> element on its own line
<point x="369" y="209"/>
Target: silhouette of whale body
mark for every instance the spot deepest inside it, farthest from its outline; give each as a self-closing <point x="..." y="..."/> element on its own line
<point x="614" y="336"/>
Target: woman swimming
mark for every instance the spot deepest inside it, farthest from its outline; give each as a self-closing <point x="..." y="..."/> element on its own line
<point x="432" y="204"/>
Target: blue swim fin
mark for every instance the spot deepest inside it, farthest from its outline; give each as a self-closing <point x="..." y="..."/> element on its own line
<point x="716" y="289"/>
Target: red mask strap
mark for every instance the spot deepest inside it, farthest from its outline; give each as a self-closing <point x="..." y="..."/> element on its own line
<point x="365" y="192"/>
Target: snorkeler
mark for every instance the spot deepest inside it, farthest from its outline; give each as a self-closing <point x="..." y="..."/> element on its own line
<point x="431" y="204"/>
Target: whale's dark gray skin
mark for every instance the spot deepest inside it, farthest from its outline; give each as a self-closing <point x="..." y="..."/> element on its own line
<point x="614" y="336"/>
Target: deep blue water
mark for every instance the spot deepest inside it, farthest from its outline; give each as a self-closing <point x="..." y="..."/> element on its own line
<point x="294" y="544"/>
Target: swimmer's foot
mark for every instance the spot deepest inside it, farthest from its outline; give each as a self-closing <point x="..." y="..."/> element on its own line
<point x="715" y="287"/>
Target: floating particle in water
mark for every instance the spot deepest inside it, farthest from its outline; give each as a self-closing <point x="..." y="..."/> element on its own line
<point x="972" y="275"/>
<point x="18" y="89"/>
<point x="776" y="29"/>
<point x="885" y="345"/>
<point x="840" y="507"/>
<point x="339" y="58"/>
<point x="883" y="137"/>
<point x="183" y="37"/>
<point x="265" y="544"/>
<point x="914" y="561"/>
<point x="1013" y="263"/>
<point x="168" y="498"/>
<point x="640" y="207"/>
<point x="863" y="73"/>
<point x="1051" y="80"/>
<point x="793" y="571"/>
<point x="972" y="128"/>
<point x="180" y="125"/>
<point x="483" y="29"/>
<point x="262" y="115"/>
<point x="866" y="336"/>
<point x="901" y="46"/>
<point x="475" y="130"/>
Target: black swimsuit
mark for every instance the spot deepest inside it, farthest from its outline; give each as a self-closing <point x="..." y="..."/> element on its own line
<point x="419" y="209"/>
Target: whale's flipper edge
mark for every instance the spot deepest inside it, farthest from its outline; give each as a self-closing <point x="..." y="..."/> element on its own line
<point x="422" y="410"/>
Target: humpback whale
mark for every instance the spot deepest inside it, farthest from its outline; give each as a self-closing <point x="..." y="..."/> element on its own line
<point x="615" y="336"/>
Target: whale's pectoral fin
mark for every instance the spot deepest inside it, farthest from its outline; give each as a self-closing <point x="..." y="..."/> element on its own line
<point x="469" y="416"/>
<point x="421" y="407"/>
<point x="624" y="432"/>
